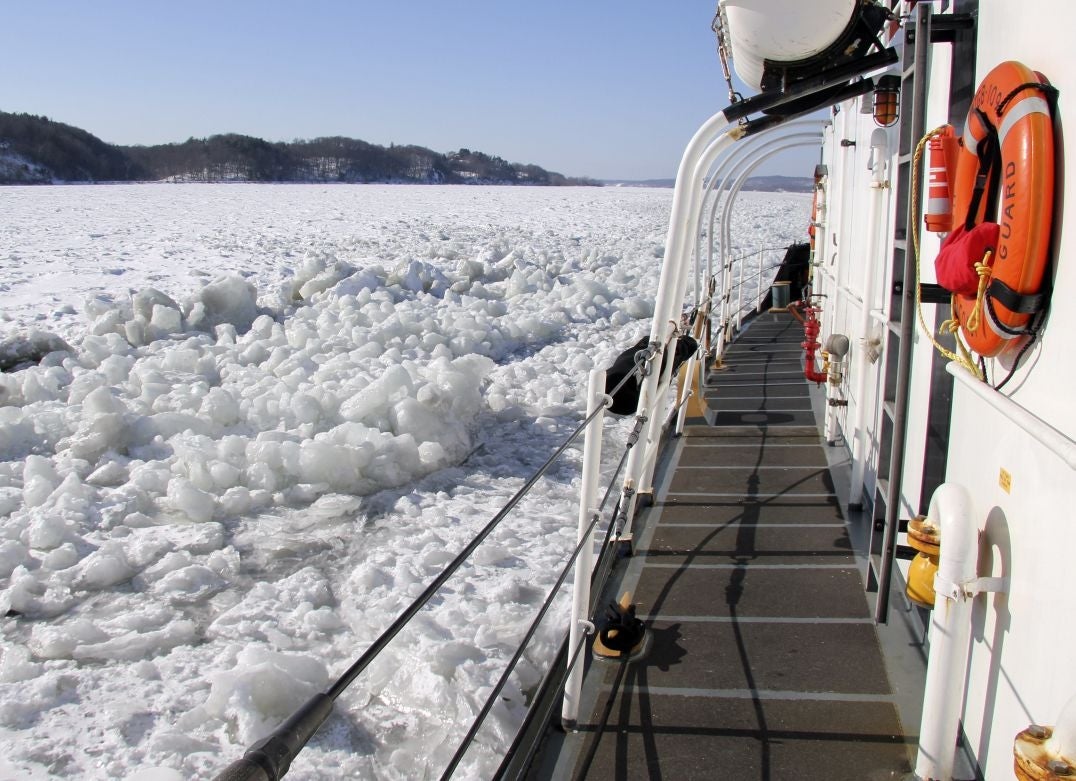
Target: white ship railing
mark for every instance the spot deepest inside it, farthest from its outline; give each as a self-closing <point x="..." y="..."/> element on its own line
<point x="742" y="171"/>
<point x="270" y="758"/>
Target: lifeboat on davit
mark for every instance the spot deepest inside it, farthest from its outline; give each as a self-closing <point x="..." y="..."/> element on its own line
<point x="775" y="42"/>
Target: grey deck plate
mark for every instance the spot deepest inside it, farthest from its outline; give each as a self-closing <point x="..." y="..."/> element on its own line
<point x="781" y="657"/>
<point x="749" y="481"/>
<point x="750" y="435"/>
<point x="783" y="371"/>
<point x="769" y="543"/>
<point x="755" y="591"/>
<point x="763" y="418"/>
<point x="754" y="402"/>
<point x="748" y="455"/>
<point x="692" y="739"/>
<point x="784" y="510"/>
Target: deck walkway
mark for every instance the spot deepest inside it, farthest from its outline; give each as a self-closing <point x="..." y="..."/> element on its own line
<point x="762" y="659"/>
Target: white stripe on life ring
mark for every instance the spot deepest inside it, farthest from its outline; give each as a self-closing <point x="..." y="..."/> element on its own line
<point x="989" y="318"/>
<point x="1026" y="107"/>
<point x="970" y="143"/>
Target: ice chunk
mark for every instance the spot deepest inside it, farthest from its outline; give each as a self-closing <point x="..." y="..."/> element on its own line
<point x="58" y="641"/>
<point x="432" y="455"/>
<point x="110" y="473"/>
<point x="105" y="567"/>
<point x="395" y="383"/>
<point x="144" y="301"/>
<point x="356" y="283"/>
<point x="16" y="665"/>
<point x="166" y="319"/>
<point x="39" y="481"/>
<point x="46" y="532"/>
<point x="190" y="585"/>
<point x="134" y="645"/>
<point x="263" y="688"/>
<point x="230" y="299"/>
<point x="196" y="504"/>
<point x="60" y="558"/>
<point x="638" y="307"/>
<point x="324" y="280"/>
<point x="411" y="417"/>
<point x="97" y="434"/>
<point x="10" y="497"/>
<point x="12" y="555"/>
<point x="169" y="563"/>
<point x="339" y="467"/>
<point x="28" y="347"/>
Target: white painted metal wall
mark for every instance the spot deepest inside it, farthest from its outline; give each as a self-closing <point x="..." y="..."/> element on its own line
<point x="1020" y="667"/>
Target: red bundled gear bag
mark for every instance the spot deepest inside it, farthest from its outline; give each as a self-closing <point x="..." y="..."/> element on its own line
<point x="961" y="250"/>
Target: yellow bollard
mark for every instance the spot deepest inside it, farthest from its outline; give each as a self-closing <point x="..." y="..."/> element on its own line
<point x="925" y="537"/>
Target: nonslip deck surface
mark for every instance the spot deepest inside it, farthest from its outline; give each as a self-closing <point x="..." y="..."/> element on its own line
<point x="762" y="660"/>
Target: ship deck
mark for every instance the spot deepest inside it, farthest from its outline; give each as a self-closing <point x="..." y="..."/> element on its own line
<point x="762" y="659"/>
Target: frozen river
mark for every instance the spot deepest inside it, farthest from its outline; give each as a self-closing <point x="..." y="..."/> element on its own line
<point x="279" y="413"/>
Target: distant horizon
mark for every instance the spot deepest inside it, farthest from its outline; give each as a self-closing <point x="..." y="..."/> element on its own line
<point x="584" y="90"/>
<point x="658" y="181"/>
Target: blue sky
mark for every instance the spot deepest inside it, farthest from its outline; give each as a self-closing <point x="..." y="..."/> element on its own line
<point x="585" y="87"/>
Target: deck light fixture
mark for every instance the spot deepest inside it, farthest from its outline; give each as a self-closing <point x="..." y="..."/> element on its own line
<point x="887" y="101"/>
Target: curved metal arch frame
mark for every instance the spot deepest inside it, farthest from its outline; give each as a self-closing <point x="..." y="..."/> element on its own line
<point x="743" y="163"/>
<point x="730" y="202"/>
<point x="751" y="145"/>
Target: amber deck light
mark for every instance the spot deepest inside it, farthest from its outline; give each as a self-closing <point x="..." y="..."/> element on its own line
<point x="886" y="100"/>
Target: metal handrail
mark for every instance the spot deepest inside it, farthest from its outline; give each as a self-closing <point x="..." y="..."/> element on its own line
<point x="758" y="251"/>
<point x="758" y="273"/>
<point x="573" y="561"/>
<point x="405" y="617"/>
<point x="465" y="744"/>
<point x="271" y="757"/>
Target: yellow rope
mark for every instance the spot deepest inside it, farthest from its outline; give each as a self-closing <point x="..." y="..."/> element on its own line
<point x="951" y="326"/>
<point x="982" y="268"/>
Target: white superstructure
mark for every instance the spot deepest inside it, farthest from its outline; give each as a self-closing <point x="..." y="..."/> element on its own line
<point x="1013" y="450"/>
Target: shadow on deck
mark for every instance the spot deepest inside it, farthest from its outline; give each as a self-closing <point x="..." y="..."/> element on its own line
<point x="762" y="660"/>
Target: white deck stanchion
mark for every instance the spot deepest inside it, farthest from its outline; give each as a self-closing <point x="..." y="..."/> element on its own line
<point x="671" y="286"/>
<point x="584" y="564"/>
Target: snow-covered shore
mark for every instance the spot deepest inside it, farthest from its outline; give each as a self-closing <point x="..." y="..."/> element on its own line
<point x="283" y="409"/>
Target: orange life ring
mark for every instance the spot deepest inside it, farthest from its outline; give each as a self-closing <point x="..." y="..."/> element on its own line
<point x="1011" y="108"/>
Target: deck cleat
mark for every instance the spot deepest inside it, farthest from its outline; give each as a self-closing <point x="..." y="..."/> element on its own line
<point x="620" y="635"/>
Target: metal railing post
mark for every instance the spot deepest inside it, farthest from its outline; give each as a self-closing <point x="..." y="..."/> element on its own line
<point x="584" y="565"/>
<point x="653" y="441"/>
<point x="707" y="143"/>
<point x="739" y="295"/>
<point x="758" y="280"/>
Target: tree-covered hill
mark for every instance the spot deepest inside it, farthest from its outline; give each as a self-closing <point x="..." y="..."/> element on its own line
<point x="35" y="149"/>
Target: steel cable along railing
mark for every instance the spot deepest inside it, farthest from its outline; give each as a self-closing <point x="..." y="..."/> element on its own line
<point x="271" y="757"/>
<point x="759" y="269"/>
<point x="736" y="315"/>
